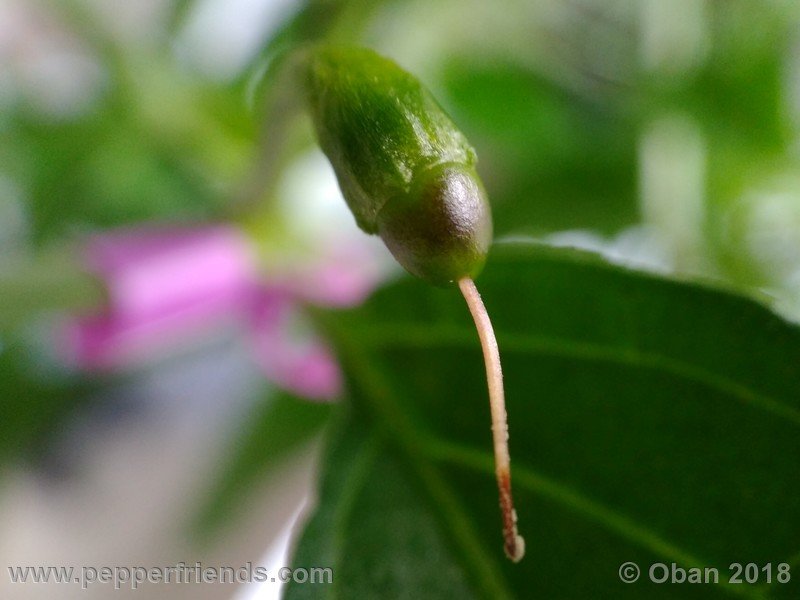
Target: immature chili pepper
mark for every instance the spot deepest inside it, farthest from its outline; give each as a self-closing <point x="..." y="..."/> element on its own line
<point x="406" y="171"/>
<point x="408" y="175"/>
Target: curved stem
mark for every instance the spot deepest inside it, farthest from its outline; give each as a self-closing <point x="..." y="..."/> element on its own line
<point x="514" y="544"/>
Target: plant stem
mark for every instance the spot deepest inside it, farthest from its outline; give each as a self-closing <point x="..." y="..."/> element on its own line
<point x="514" y="544"/>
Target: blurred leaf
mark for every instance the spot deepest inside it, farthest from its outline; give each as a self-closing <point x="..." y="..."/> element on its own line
<point x="338" y="21"/>
<point x="278" y="425"/>
<point x="550" y="159"/>
<point x="159" y="143"/>
<point x="34" y="405"/>
<point x="178" y="12"/>
<point x="101" y="172"/>
<point x="54" y="281"/>
<point x="650" y="421"/>
<point x="740" y="91"/>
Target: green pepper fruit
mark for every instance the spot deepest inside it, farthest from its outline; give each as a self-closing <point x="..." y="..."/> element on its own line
<point x="406" y="171"/>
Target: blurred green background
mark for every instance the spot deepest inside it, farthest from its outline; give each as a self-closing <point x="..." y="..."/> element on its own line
<point x="671" y="125"/>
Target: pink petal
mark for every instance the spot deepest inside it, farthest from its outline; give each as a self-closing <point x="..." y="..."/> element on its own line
<point x="295" y="360"/>
<point x="342" y="274"/>
<point x="163" y="284"/>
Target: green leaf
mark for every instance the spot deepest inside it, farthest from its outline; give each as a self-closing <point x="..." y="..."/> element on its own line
<point x="36" y="402"/>
<point x="539" y="145"/>
<point x="278" y="425"/>
<point x="650" y="421"/>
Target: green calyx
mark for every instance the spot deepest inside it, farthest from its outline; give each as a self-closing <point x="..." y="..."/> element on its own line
<point x="405" y="170"/>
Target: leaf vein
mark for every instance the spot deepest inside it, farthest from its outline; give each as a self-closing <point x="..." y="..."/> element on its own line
<point x="450" y="512"/>
<point x="418" y="337"/>
<point x="532" y="481"/>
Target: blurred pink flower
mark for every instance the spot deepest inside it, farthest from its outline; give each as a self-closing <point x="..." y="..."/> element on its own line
<point x="290" y="357"/>
<point x="162" y="284"/>
<point x="167" y="286"/>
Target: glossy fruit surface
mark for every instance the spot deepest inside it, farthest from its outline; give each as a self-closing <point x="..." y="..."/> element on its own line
<point x="406" y="171"/>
